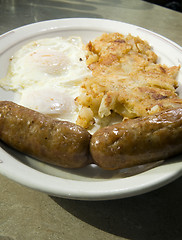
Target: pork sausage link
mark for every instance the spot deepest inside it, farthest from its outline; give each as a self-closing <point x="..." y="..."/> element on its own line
<point x="138" y="141"/>
<point x="56" y="142"/>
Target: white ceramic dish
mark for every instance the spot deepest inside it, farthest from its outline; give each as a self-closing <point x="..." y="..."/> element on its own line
<point x="90" y="183"/>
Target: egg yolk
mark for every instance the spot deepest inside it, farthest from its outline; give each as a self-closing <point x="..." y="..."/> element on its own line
<point x="51" y="62"/>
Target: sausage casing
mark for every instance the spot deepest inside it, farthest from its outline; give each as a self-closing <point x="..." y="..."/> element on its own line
<point x="56" y="142"/>
<point x="138" y="141"/>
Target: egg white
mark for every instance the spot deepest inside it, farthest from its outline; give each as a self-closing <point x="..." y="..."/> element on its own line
<point x="46" y="75"/>
<point x="51" y="101"/>
<point x="51" y="61"/>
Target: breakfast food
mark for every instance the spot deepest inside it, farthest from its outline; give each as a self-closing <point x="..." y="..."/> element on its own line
<point x="123" y="145"/>
<point x="138" y="141"/>
<point x="48" y="62"/>
<point x="43" y="72"/>
<point x="60" y="143"/>
<point x="112" y="88"/>
<point x="126" y="81"/>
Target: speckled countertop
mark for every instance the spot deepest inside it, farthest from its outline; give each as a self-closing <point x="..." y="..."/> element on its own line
<point x="26" y="214"/>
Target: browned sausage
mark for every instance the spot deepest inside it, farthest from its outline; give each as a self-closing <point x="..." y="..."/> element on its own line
<point x="56" y="142"/>
<point x="138" y="141"/>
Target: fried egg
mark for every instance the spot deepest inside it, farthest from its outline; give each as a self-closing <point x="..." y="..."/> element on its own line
<point x="51" y="101"/>
<point x="51" y="61"/>
<point x="46" y="75"/>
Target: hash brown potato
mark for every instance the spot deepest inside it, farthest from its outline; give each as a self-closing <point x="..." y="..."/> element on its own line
<point x="126" y="81"/>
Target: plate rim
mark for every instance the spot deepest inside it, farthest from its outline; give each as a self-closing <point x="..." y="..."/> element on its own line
<point x="100" y="193"/>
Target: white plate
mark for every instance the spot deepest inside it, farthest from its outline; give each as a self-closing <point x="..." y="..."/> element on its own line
<point x="90" y="183"/>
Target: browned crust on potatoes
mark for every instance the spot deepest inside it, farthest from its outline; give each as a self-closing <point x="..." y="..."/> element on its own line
<point x="126" y="80"/>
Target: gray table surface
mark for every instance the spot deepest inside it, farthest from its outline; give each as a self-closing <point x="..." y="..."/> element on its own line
<point x="26" y="214"/>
